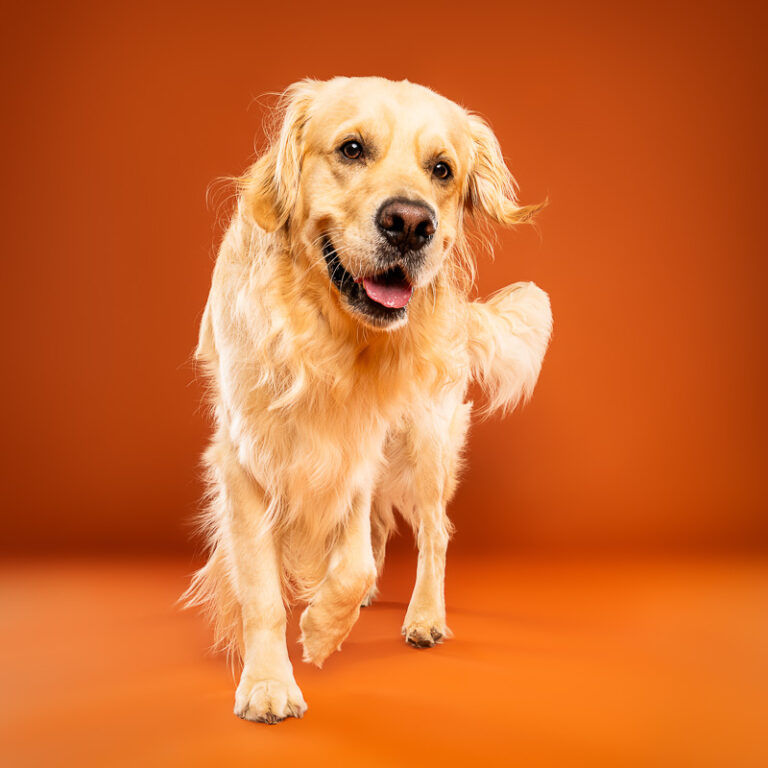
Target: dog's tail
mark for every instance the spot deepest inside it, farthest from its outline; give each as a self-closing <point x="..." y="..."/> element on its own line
<point x="508" y="337"/>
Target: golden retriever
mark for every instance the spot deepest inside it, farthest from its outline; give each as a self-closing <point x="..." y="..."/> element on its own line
<point x="339" y="342"/>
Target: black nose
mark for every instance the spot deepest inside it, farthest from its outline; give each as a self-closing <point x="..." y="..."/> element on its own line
<point x="407" y="224"/>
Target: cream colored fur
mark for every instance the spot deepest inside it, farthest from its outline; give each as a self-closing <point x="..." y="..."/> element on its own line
<point x="326" y="423"/>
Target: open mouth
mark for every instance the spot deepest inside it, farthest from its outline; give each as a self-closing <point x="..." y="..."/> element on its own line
<point x="383" y="297"/>
<point x="390" y="289"/>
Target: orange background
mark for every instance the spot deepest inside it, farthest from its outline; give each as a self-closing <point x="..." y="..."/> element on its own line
<point x="644" y="125"/>
<point x="608" y="581"/>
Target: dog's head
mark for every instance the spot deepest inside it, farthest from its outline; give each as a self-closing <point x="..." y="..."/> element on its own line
<point x="370" y="180"/>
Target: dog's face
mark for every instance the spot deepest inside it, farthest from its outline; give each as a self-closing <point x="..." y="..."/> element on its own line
<point x="380" y="193"/>
<point x="371" y="178"/>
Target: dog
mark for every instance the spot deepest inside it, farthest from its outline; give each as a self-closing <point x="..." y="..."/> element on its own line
<point x="339" y="341"/>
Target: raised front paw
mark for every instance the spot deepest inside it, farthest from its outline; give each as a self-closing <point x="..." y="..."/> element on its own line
<point x="268" y="701"/>
<point x="531" y="303"/>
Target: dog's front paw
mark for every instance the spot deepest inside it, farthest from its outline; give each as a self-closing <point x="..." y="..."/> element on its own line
<point x="268" y="701"/>
<point x="531" y="303"/>
<point x="425" y="634"/>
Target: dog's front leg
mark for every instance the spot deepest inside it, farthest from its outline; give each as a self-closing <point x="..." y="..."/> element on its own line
<point x="424" y="623"/>
<point x="330" y="616"/>
<point x="267" y="691"/>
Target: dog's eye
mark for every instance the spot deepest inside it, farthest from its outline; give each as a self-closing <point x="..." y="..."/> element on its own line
<point x="352" y="150"/>
<point x="442" y="171"/>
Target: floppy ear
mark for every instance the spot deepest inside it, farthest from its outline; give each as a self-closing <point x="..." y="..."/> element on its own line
<point x="270" y="185"/>
<point x="491" y="188"/>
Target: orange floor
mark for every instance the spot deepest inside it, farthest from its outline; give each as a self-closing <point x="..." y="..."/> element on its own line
<point x="649" y="662"/>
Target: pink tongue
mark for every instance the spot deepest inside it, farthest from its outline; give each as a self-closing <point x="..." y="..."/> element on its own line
<point x="394" y="295"/>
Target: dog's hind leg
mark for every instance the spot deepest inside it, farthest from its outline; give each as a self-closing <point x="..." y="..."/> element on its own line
<point x="330" y="616"/>
<point x="382" y="525"/>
